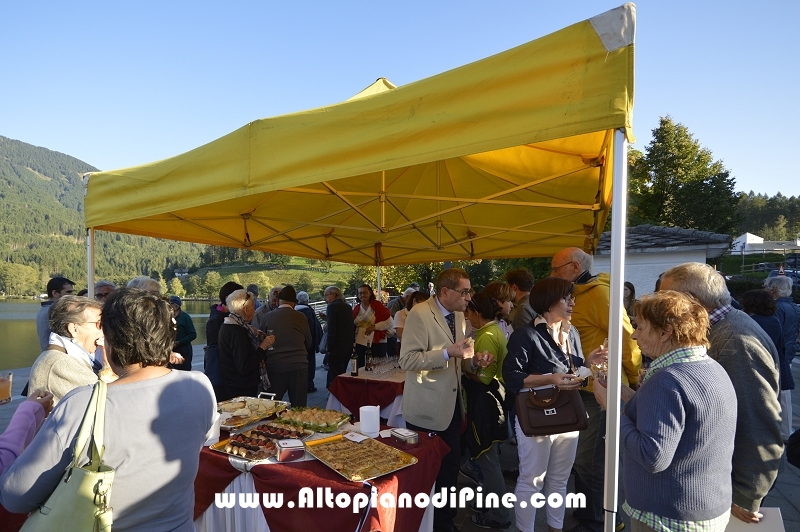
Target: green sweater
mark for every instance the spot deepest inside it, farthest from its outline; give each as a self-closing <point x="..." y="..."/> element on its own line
<point x="491" y="338"/>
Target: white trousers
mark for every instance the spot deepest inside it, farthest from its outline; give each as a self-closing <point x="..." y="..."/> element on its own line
<point x="544" y="466"/>
<point x="785" y="398"/>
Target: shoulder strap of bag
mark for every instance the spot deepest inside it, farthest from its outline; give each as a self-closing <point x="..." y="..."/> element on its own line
<point x="92" y="426"/>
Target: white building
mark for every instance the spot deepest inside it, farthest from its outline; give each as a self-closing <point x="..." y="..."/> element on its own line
<point x="652" y="249"/>
<point x="750" y="244"/>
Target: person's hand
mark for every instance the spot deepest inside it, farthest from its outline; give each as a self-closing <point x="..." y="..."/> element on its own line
<point x="565" y="381"/>
<point x="744" y="515"/>
<point x="600" y="393"/>
<point x="322" y="315"/>
<point x="598" y="356"/>
<point x="267" y="342"/>
<point x="175" y="359"/>
<point x="369" y="330"/>
<point x="483" y="359"/>
<point x="42" y="397"/>
<point x="462" y="349"/>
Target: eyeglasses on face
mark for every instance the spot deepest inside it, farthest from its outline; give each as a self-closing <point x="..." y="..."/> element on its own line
<point x="467" y="292"/>
<point x="556" y="268"/>
<point x="102" y="295"/>
<point x="97" y="323"/>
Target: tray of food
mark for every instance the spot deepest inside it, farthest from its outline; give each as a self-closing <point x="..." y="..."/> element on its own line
<point x="279" y="431"/>
<point x="360" y="461"/>
<point x="316" y="419"/>
<point x="240" y="411"/>
<point x="253" y="449"/>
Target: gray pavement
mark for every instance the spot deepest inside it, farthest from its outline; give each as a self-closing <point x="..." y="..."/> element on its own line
<point x="785" y="493"/>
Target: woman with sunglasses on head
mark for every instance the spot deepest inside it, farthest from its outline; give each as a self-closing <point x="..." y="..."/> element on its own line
<point x="156" y="421"/>
<point x="69" y="359"/>
<point x="544" y="353"/>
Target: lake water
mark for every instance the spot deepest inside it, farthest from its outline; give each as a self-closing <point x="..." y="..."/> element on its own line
<point x="19" y="345"/>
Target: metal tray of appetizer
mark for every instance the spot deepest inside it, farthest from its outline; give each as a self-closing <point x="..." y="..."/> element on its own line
<point x="360" y="461"/>
<point x="244" y="448"/>
<point x="279" y="431"/>
<point x="313" y="418"/>
<point x="240" y="411"/>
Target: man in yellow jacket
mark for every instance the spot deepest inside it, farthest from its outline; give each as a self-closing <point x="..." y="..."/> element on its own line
<point x="590" y="317"/>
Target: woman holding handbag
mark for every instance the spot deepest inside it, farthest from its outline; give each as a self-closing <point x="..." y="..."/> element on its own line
<point x="543" y="355"/>
<point x="156" y="421"/>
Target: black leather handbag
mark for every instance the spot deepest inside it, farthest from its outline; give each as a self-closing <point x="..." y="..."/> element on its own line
<point x="547" y="410"/>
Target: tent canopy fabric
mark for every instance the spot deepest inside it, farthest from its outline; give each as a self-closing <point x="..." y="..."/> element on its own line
<point x="510" y="156"/>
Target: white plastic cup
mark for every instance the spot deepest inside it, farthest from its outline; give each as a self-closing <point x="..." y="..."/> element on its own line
<point x="370" y="421"/>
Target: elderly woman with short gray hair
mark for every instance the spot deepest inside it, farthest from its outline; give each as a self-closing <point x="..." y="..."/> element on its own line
<point x="241" y="348"/>
<point x="69" y="360"/>
<point x="677" y="430"/>
<point x="145" y="283"/>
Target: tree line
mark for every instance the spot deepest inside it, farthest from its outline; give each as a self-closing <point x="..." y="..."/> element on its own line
<point x="676" y="182"/>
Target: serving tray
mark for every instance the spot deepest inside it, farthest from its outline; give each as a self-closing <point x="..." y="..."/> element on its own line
<point x="312" y="418"/>
<point x="265" y="407"/>
<point x="360" y="461"/>
<point x="263" y="453"/>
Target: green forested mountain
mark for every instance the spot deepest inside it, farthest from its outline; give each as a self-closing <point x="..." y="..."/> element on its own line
<point x="41" y="212"/>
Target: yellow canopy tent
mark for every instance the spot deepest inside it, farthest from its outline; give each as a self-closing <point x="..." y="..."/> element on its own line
<point x="510" y="156"/>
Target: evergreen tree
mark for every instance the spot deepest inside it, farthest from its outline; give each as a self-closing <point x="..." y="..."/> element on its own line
<point x="677" y="183"/>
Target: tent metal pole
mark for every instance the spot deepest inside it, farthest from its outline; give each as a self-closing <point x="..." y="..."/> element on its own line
<point x="90" y="262"/>
<point x="618" y="217"/>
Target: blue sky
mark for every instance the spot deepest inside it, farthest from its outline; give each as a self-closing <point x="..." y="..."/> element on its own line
<point x="119" y="84"/>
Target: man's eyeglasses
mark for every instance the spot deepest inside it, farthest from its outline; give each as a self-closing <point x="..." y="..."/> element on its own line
<point x="467" y="292"/>
<point x="102" y="295"/>
<point x="556" y="268"/>
<point x="97" y="323"/>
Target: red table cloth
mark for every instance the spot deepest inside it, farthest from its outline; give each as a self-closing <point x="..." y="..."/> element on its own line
<point x="216" y="473"/>
<point x="355" y="392"/>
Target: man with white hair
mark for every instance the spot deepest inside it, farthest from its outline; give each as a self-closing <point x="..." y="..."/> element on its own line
<point x="749" y="357"/>
<point x="272" y="304"/>
<point x="590" y="317"/>
<point x="780" y="287"/>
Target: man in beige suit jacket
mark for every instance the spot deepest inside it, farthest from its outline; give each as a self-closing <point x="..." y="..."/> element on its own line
<point x="434" y="357"/>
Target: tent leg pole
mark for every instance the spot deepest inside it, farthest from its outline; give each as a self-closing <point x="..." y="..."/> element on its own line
<point x="618" y="219"/>
<point x="90" y="261"/>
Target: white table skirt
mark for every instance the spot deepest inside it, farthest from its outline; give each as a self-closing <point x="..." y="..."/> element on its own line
<point x="252" y="519"/>
<point x="392" y="413"/>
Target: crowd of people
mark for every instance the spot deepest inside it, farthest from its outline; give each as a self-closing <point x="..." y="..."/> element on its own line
<point x="706" y="387"/>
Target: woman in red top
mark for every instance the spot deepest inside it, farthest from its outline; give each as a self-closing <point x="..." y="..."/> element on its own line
<point x="372" y="319"/>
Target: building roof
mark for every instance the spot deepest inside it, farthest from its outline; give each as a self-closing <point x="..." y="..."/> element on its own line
<point x="659" y="239"/>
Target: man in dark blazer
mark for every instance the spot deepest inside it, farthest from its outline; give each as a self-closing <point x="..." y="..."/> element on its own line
<point x="434" y="352"/>
<point x="341" y="332"/>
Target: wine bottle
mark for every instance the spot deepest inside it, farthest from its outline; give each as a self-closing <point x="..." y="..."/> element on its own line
<point x="354" y="363"/>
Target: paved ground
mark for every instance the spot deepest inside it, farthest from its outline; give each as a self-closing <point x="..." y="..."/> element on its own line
<point x="785" y="494"/>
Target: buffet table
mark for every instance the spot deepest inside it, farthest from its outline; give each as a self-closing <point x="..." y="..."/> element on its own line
<point x="217" y="474"/>
<point x="348" y="394"/>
